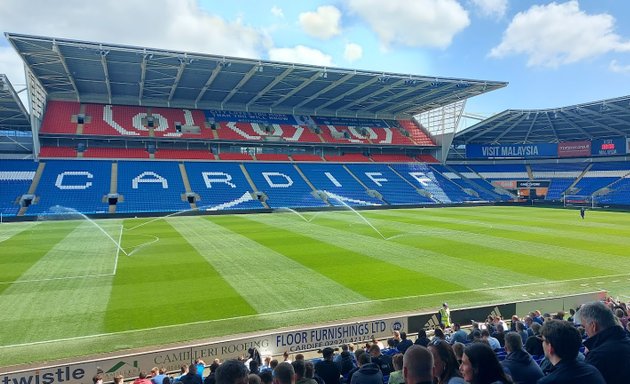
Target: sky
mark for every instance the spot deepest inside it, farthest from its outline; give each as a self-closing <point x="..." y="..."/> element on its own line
<point x="553" y="54"/>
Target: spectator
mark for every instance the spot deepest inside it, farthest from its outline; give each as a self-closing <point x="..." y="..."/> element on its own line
<point x="357" y="354"/>
<point x="444" y="316"/>
<point x="445" y="366"/>
<point x="98" y="378"/>
<point x="518" y="362"/>
<point x="327" y="369"/>
<point x="231" y="372"/>
<point x="368" y="372"/>
<point x="607" y="343"/>
<point x="396" y="376"/>
<point x="183" y="370"/>
<point x="253" y="367"/>
<point x="475" y="327"/>
<point x="201" y="366"/>
<point x="391" y="349"/>
<point x="458" y="350"/>
<point x="481" y="366"/>
<point x="396" y="339"/>
<point x="285" y="357"/>
<point x="158" y="375"/>
<point x="438" y="335"/>
<point x="422" y="339"/>
<point x="266" y="364"/>
<point x="284" y="374"/>
<point x="211" y="378"/>
<point x="266" y="376"/>
<point x="253" y="378"/>
<point x="520" y="330"/>
<point x="459" y="335"/>
<point x="533" y="345"/>
<point x="345" y="362"/>
<point x="418" y="365"/>
<point x="499" y="334"/>
<point x="492" y="341"/>
<point x="299" y="367"/>
<point x="561" y="342"/>
<point x="310" y="373"/>
<point x="142" y="378"/>
<point x="384" y="363"/>
<point x="404" y="343"/>
<point x="119" y="379"/>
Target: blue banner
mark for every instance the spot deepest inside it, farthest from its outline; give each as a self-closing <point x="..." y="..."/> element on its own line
<point x="511" y="151"/>
<point x="249" y="117"/>
<point x="350" y="122"/>
<point x="608" y="147"/>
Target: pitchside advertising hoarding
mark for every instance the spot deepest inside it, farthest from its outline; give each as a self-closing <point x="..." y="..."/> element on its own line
<point x="274" y="344"/>
<point x="514" y="151"/>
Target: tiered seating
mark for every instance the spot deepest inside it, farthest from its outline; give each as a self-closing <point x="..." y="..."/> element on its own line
<point x="338" y="183"/>
<point x="473" y="181"/>
<point x="58" y="116"/>
<point x="220" y="186"/>
<point x="561" y="176"/>
<point x="272" y="157"/>
<point x="417" y="135"/>
<point x="16" y="177"/>
<point x="501" y="171"/>
<point x="236" y="131"/>
<point x="57" y="152"/>
<point x="306" y="157"/>
<point x="619" y="194"/>
<point x="235" y="156"/>
<point x="347" y="158"/>
<point x="379" y="158"/>
<point x="283" y="185"/>
<point x="382" y="179"/>
<point x="189" y="117"/>
<point x="374" y="135"/>
<point x="180" y="154"/>
<point x="116" y="153"/>
<point x="114" y="120"/>
<point x="76" y="185"/>
<point x="425" y="177"/>
<point x="150" y="186"/>
<point x="601" y="175"/>
<point x="427" y="159"/>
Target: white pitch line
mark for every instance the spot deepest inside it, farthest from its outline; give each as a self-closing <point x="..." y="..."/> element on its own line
<point x="56" y="278"/>
<point x="118" y="250"/>
<point x="302" y="310"/>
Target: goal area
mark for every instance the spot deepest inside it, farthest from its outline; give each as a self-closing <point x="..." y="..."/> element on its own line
<point x="587" y="201"/>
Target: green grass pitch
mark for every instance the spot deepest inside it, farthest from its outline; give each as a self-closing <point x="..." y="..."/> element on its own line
<point x="67" y="289"/>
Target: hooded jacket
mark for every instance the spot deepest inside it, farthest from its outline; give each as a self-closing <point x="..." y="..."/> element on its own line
<point x="368" y="374"/>
<point x="609" y="352"/>
<point x="522" y="367"/>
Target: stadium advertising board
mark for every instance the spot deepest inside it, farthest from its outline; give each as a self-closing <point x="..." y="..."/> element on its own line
<point x="275" y="344"/>
<point x="249" y="117"/>
<point x="350" y="122"/>
<point x="608" y="147"/>
<point x="461" y="316"/>
<point x="511" y="151"/>
<point x="574" y="148"/>
<point x="533" y="184"/>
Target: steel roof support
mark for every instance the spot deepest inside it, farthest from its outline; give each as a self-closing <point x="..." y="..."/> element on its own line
<point x="275" y="81"/>
<point x="62" y="60"/>
<point x="213" y="75"/>
<point x="297" y="89"/>
<point x="326" y="89"/>
<point x="106" y="73"/>
<point x="183" y="61"/>
<point x="345" y="94"/>
<point x="238" y="86"/>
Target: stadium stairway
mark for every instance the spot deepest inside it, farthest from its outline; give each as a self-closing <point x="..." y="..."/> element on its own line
<point x="189" y="192"/>
<point x="308" y="182"/>
<point x="253" y="185"/>
<point x="33" y="187"/>
<point x="577" y="179"/>
<point x="113" y="186"/>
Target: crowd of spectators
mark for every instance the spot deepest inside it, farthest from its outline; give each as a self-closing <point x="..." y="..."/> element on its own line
<point x="590" y="344"/>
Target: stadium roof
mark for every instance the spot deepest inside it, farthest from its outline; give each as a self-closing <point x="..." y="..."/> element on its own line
<point x="13" y="115"/>
<point x="115" y="74"/>
<point x="595" y="120"/>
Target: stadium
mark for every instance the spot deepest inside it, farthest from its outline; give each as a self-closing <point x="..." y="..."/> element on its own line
<point x="187" y="205"/>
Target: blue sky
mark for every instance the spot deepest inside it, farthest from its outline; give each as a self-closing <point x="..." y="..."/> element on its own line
<point x="553" y="54"/>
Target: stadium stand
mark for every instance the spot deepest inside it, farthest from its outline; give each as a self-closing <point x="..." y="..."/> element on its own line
<point x="416" y="134"/>
<point x="151" y="186"/>
<point x="73" y="184"/>
<point x="272" y="157"/>
<point x="235" y="156"/>
<point x="46" y="152"/>
<point x="181" y="154"/>
<point x="306" y="157"/>
<point x="379" y="158"/>
<point x="116" y="153"/>
<point x="347" y="158"/>
<point x="16" y="177"/>
<point x="58" y="117"/>
<point x="429" y="179"/>
<point x="561" y="176"/>
<point x="283" y="185"/>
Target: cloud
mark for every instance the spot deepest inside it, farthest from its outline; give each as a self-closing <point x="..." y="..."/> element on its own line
<point x="417" y="23"/>
<point x="556" y="34"/>
<point x="169" y="24"/>
<point x="277" y="12"/>
<point x="619" y="68"/>
<point x="353" y="52"/>
<point x="300" y="54"/>
<point x="323" y="24"/>
<point x="492" y="8"/>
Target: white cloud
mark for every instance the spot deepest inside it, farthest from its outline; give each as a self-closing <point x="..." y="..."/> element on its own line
<point x="619" y="68"/>
<point x="323" y="24"/>
<point x="300" y="54"/>
<point x="353" y="52"/>
<point x="556" y="34"/>
<point x="417" y="23"/>
<point x="491" y="8"/>
<point x="169" y="24"/>
<point x="277" y="12"/>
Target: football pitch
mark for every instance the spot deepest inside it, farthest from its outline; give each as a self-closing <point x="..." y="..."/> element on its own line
<point x="82" y="287"/>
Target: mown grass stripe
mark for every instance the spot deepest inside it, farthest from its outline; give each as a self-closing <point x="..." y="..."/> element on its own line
<point x="166" y="282"/>
<point x="61" y="290"/>
<point x="567" y="260"/>
<point x="268" y="280"/>
<point x="372" y="277"/>
<point x="411" y="255"/>
<point x="8" y="230"/>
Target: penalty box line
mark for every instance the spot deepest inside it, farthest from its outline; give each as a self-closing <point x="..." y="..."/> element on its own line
<point x="86" y="337"/>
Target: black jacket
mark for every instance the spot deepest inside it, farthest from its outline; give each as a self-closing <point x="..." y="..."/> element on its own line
<point x="368" y="374"/>
<point x="609" y="351"/>
<point x="522" y="367"/>
<point x="573" y="372"/>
